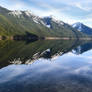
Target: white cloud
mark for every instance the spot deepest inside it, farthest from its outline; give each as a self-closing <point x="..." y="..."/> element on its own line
<point x="82" y="4"/>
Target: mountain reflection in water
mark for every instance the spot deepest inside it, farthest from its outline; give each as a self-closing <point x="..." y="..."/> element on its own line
<point x="46" y="66"/>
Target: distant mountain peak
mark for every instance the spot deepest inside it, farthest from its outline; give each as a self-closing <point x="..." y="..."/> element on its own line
<point x="77" y="25"/>
<point x="48" y="19"/>
<point x="83" y="28"/>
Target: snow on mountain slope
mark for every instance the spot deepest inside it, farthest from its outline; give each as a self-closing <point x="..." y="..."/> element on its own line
<point x="46" y="21"/>
<point x="28" y="13"/>
<point x="83" y="28"/>
<point x="15" y="13"/>
<point x="77" y="25"/>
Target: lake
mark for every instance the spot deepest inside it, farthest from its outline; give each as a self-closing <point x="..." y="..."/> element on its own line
<point x="46" y="66"/>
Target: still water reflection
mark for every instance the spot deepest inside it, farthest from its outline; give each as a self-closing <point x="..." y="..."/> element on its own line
<point x="46" y="66"/>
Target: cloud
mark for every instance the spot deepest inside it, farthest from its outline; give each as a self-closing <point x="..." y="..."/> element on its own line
<point x="82" y="4"/>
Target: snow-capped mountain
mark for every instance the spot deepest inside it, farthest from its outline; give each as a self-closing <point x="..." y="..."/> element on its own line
<point x="20" y="22"/>
<point x="18" y="13"/>
<point x="82" y="28"/>
<point x="46" y="21"/>
<point x="78" y="26"/>
<point x="15" y="13"/>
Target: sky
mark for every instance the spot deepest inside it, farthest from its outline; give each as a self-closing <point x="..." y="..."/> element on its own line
<point x="69" y="11"/>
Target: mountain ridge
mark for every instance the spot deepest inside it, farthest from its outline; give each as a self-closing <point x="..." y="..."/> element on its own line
<point x="19" y="22"/>
<point x="82" y="28"/>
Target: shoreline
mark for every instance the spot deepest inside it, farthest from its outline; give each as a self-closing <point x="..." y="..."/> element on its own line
<point x="66" y="38"/>
<point x="41" y="38"/>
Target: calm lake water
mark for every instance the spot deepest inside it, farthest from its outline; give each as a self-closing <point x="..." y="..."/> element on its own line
<point x="46" y="66"/>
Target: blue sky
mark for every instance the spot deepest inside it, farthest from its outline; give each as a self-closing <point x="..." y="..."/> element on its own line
<point x="69" y="11"/>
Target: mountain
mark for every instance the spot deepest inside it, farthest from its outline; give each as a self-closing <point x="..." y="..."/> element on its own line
<point x="21" y="22"/>
<point x="82" y="28"/>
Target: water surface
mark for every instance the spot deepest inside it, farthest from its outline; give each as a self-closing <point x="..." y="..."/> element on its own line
<point x="46" y="66"/>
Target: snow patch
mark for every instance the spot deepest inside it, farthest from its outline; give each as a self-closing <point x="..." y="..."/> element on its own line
<point x="78" y="26"/>
<point x="28" y="13"/>
<point x="57" y="21"/>
<point x="16" y="13"/>
<point x="74" y="25"/>
<point x="62" y="23"/>
<point x="49" y="26"/>
<point x="36" y="20"/>
<point x="46" y="25"/>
